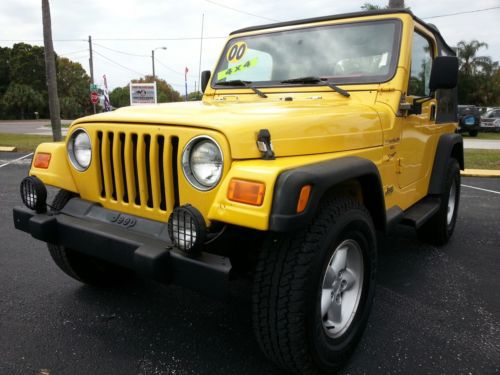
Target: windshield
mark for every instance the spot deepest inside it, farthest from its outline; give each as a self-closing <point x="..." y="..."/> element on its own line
<point x="362" y="52"/>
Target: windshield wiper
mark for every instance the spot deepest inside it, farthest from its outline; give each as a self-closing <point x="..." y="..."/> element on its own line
<point x="239" y="82"/>
<point x="323" y="81"/>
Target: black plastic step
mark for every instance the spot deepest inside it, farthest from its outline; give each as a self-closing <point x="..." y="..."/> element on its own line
<point x="422" y="211"/>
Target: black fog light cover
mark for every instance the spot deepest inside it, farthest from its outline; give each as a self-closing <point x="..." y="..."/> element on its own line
<point x="186" y="228"/>
<point x="34" y="194"/>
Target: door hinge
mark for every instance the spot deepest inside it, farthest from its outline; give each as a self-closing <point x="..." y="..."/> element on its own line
<point x="399" y="166"/>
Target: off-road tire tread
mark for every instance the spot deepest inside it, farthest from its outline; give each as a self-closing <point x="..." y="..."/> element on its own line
<point x="58" y="253"/>
<point x="280" y="288"/>
<point x="435" y="231"/>
<point x="108" y="274"/>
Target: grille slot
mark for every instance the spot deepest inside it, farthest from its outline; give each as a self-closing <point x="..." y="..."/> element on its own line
<point x="137" y="169"/>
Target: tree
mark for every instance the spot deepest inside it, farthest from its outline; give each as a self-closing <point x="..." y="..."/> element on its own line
<point x="73" y="88"/>
<point x="4" y="69"/>
<point x="477" y="75"/>
<point x="396" y="4"/>
<point x="50" y="68"/>
<point x="393" y="4"/>
<point x="27" y="66"/>
<point x="22" y="100"/>
<point x="195" y="95"/>
<point x="466" y="52"/>
<point x="120" y="97"/>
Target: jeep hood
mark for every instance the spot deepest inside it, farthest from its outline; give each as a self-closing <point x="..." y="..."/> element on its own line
<point x="297" y="128"/>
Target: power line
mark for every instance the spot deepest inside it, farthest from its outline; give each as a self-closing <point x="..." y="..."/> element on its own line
<point x="169" y="68"/>
<point x="122" y="52"/>
<point x="240" y="11"/>
<point x="72" y="52"/>
<point x="157" y="39"/>
<point x="118" y="64"/>
<point x="459" y="13"/>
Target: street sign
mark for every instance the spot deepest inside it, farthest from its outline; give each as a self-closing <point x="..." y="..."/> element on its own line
<point x="94" y="87"/>
<point x="94" y="97"/>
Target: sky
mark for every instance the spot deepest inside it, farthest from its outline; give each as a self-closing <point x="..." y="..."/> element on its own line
<point x="124" y="32"/>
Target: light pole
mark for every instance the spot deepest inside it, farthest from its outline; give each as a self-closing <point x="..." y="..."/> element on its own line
<point x="153" y="59"/>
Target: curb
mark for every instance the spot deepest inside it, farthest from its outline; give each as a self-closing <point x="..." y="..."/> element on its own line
<point x="480" y="173"/>
<point x="7" y="149"/>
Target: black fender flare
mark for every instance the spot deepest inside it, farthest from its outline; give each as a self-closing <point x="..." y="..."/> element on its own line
<point x="323" y="176"/>
<point x="449" y="146"/>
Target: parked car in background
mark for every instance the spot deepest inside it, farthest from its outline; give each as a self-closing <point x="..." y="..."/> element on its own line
<point x="469" y="119"/>
<point x="491" y="120"/>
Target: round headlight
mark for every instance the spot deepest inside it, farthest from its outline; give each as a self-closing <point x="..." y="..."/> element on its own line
<point x="202" y="163"/>
<point x="80" y="150"/>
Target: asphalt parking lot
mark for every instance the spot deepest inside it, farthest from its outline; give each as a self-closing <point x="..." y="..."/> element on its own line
<point x="436" y="311"/>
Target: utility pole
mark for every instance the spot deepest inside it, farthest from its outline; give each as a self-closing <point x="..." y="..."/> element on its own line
<point x="91" y="65"/>
<point x="50" y="69"/>
<point x="397" y="4"/>
<point x="201" y="46"/>
<point x="153" y="60"/>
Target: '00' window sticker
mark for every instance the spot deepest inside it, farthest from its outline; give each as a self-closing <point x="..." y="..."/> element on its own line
<point x="236" y="52"/>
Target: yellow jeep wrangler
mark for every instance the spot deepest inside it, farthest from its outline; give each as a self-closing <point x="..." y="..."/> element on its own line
<point x="312" y="137"/>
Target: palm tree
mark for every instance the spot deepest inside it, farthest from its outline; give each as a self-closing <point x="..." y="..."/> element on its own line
<point x="469" y="62"/>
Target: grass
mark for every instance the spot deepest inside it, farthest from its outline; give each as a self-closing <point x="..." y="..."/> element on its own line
<point x="23" y="142"/>
<point x="482" y="159"/>
<point x="487" y="136"/>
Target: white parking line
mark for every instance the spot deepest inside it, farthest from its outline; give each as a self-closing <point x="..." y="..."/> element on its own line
<point x="489" y="191"/>
<point x="12" y="161"/>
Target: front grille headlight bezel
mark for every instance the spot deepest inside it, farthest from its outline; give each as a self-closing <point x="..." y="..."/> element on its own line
<point x="187" y="167"/>
<point x="76" y="161"/>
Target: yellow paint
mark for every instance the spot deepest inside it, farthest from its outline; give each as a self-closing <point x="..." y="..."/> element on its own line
<point x="7" y="149"/>
<point x="317" y="125"/>
<point x="59" y="171"/>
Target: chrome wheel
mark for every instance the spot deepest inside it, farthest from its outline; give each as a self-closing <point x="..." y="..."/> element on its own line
<point x="451" y="202"/>
<point x="341" y="289"/>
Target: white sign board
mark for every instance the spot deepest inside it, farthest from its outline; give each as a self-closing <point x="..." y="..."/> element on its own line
<point x="142" y="93"/>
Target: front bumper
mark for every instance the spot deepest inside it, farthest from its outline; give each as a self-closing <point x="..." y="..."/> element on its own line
<point x="136" y="243"/>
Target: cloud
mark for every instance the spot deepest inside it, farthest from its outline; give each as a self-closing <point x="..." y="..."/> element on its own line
<point x="114" y="19"/>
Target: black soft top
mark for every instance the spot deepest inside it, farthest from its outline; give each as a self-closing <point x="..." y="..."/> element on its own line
<point x="444" y="48"/>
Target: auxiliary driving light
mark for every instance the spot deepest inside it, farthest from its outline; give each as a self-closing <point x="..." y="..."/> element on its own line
<point x="186" y="228"/>
<point x="34" y="194"/>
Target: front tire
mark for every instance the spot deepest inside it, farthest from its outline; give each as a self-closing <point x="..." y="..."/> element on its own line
<point x="81" y="267"/>
<point x="438" y="230"/>
<point x="313" y="290"/>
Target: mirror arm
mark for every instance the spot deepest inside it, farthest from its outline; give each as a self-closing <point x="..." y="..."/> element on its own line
<point x="417" y="103"/>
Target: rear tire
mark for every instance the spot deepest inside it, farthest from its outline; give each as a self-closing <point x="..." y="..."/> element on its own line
<point x="473" y="133"/>
<point x="438" y="230"/>
<point x="81" y="267"/>
<point x="297" y="297"/>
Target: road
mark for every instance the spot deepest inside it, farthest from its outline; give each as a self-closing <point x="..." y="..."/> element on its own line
<point x="436" y="310"/>
<point x="482" y="144"/>
<point x="35" y="127"/>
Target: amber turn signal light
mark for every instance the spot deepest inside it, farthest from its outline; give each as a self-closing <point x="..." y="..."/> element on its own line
<point x="42" y="160"/>
<point x="305" y="192"/>
<point x="248" y="192"/>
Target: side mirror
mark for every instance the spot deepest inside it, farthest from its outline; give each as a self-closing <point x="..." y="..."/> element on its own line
<point x="205" y="77"/>
<point x="444" y="73"/>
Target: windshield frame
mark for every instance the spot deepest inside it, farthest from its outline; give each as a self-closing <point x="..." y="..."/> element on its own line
<point x="366" y="80"/>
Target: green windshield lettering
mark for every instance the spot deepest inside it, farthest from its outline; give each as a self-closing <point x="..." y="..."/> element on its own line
<point x="238" y="68"/>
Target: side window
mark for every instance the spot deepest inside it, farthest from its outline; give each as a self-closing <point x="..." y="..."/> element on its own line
<point x="421" y="63"/>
